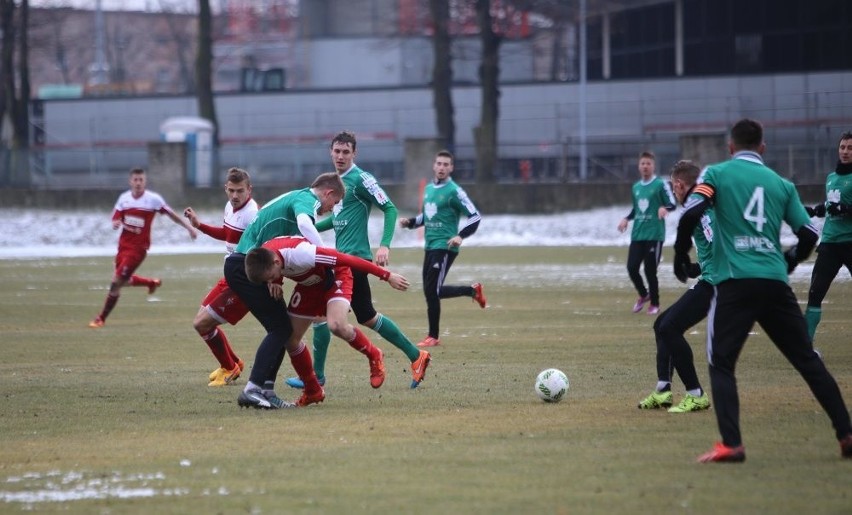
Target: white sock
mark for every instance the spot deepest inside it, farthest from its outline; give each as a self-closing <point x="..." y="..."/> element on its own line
<point x="663" y="385"/>
<point x="695" y="393"/>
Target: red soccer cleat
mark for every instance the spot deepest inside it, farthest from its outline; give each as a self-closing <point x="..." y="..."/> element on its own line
<point x="377" y="370"/>
<point x="721" y="453"/>
<point x="478" y="295"/>
<point x="429" y="342"/>
<point x="311" y="398"/>
<point x="155" y="283"/>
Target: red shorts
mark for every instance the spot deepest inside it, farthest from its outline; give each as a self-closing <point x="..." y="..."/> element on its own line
<point x="223" y="304"/>
<point x="311" y="301"/>
<point x="128" y="260"/>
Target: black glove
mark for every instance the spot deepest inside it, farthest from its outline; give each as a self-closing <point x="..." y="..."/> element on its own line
<point x="816" y="211"/>
<point x="837" y="209"/>
<point x="790" y="258"/>
<point x="694" y="270"/>
<point x="681" y="266"/>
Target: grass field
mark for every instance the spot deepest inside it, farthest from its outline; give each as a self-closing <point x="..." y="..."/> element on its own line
<point x="120" y="420"/>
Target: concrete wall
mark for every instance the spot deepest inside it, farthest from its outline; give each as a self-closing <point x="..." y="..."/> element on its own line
<point x="490" y="199"/>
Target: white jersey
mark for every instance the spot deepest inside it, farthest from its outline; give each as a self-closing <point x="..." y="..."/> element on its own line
<point x="237" y="221"/>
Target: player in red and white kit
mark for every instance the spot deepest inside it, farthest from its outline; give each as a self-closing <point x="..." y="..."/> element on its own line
<point x="222" y="305"/>
<point x="323" y="279"/>
<point x="134" y="213"/>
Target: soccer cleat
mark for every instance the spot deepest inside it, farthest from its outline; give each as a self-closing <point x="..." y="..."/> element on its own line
<point x="692" y="403"/>
<point x="377" y="370"/>
<point x="295" y="382"/>
<point x="653" y="310"/>
<point x="846" y="446"/>
<point x="418" y="368"/>
<point x="97" y="323"/>
<point x="721" y="453"/>
<point x="429" y="342"/>
<point x="656" y="400"/>
<point x="640" y="303"/>
<point x="216" y="373"/>
<point x="313" y="398"/>
<point x="226" y="377"/>
<point x="479" y="295"/>
<point x="257" y="399"/>
<point x="155" y="283"/>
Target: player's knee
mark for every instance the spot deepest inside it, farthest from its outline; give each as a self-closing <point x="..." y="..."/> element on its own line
<point x="368" y="319"/>
<point x="339" y="328"/>
<point x="204" y="323"/>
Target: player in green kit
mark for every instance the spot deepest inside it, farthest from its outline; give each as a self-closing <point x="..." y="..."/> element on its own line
<point x="444" y="202"/>
<point x="835" y="247"/>
<point x="290" y="214"/>
<point x="750" y="202"/>
<point x="350" y="223"/>
<point x="673" y="351"/>
<point x="652" y="202"/>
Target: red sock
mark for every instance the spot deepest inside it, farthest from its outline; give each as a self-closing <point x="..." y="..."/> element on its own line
<point x="363" y="344"/>
<point x="217" y="342"/>
<point x="138" y="280"/>
<point x="109" y="303"/>
<point x="304" y="366"/>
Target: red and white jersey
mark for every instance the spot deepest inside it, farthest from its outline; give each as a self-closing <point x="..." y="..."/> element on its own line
<point x="235" y="222"/>
<point x="137" y="216"/>
<point x="306" y="264"/>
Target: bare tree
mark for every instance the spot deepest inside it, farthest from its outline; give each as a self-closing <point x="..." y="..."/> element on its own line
<point x="204" y="68"/>
<point x="485" y="135"/>
<point x="442" y="73"/>
<point x="16" y="84"/>
<point x="182" y="46"/>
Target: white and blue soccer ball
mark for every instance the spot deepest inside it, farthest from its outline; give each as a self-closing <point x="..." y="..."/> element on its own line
<point x="551" y="385"/>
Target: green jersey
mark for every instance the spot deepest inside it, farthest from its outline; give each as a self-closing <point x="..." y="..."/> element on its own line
<point x="443" y="205"/>
<point x="351" y="215"/>
<point x="838" y="189"/>
<point x="703" y="236"/>
<point x="750" y="203"/>
<point x="278" y="218"/>
<point x="648" y="197"/>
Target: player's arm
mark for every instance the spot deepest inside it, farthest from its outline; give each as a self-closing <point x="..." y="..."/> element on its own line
<point x="799" y="220"/>
<point x="325" y="224"/>
<point x="116" y="218"/>
<point x="219" y="233"/>
<point x="331" y="257"/>
<point x="413" y="222"/>
<point x="308" y="229"/>
<point x="178" y="220"/>
<point x="699" y="200"/>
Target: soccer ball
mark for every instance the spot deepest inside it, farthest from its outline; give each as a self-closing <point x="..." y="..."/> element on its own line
<point x="551" y="385"/>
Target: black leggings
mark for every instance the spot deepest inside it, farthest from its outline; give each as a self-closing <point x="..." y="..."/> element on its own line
<point x="271" y="313"/>
<point x="830" y="257"/>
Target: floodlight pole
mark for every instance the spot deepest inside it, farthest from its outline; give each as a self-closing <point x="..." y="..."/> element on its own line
<point x="584" y="158"/>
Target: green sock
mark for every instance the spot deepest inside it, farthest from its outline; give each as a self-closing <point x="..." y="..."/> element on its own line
<point x="812" y="316"/>
<point x="322" y="338"/>
<point x="388" y="330"/>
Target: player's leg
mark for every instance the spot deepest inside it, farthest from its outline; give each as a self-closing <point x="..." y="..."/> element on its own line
<point x="635" y="255"/>
<point x="366" y="314"/>
<point x="125" y="264"/>
<point x="661" y="397"/>
<point x="787" y="329"/>
<point x="689" y="310"/>
<point x="731" y="316"/>
<point x="272" y="314"/>
<point x="336" y="312"/>
<point x="434" y="272"/>
<point x="321" y="341"/>
<point x="826" y="266"/>
<point x="653" y="252"/>
<point x="220" y="306"/>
